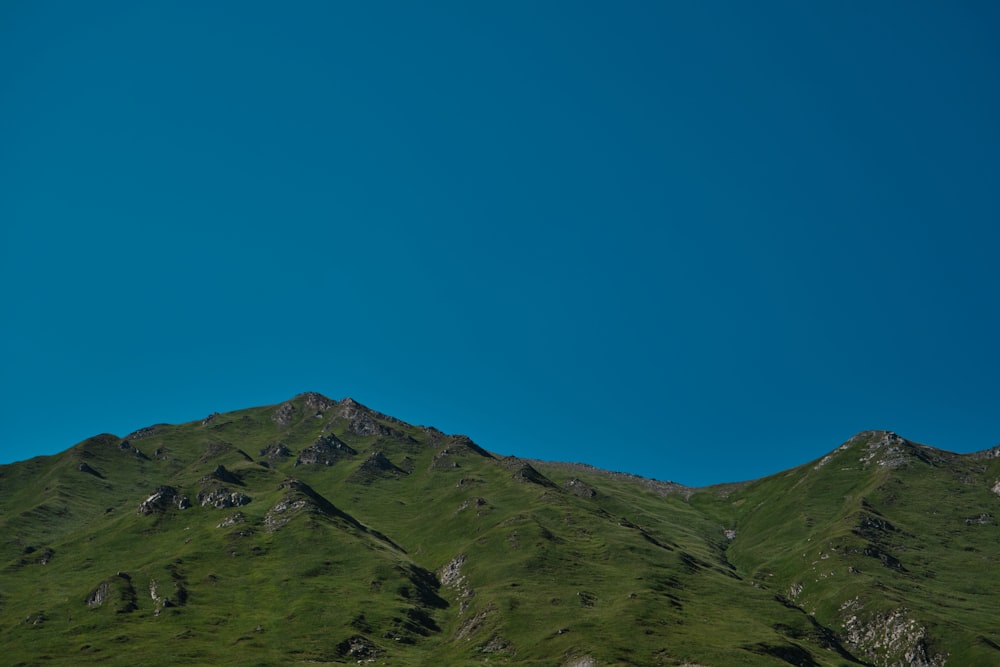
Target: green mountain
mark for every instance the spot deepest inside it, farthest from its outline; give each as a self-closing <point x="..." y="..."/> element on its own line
<point x="323" y="532"/>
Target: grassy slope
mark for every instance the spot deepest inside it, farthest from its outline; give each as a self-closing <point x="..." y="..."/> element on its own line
<point x="541" y="565"/>
<point x="878" y="531"/>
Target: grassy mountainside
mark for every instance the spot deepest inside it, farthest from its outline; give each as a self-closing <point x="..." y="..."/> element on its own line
<point x="319" y="531"/>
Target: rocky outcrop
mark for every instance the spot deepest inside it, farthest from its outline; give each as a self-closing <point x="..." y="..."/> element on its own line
<point x="522" y="471"/>
<point x="365" y="422"/>
<point x="481" y="506"/>
<point x="173" y="594"/>
<point x="274" y="452"/>
<point x="981" y="520"/>
<point x="161" y="499"/>
<point x="887" y="450"/>
<point x="285" y="413"/>
<point x="579" y="488"/>
<point x="327" y="450"/>
<point x="451" y="575"/>
<point x="364" y="425"/>
<point x="299" y="499"/>
<point x="991" y="453"/>
<point x="376" y="466"/>
<point x="147" y="431"/>
<point x="317" y="402"/>
<point x="459" y="447"/>
<point x="359" y="648"/>
<point x="890" y="638"/>
<point x="222" y="498"/>
<point x="116" y="592"/>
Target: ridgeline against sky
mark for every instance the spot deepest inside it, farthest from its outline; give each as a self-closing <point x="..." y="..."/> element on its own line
<point x="692" y="241"/>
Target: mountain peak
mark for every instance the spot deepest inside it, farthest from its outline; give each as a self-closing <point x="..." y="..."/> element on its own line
<point x="536" y="561"/>
<point x="316" y="400"/>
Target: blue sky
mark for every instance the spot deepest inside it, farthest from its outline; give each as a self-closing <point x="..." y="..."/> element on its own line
<point x="696" y="241"/>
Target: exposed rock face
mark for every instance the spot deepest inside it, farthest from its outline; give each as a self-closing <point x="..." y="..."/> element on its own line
<point x="117" y="591"/>
<point x="889" y="638"/>
<point x="991" y="453"/>
<point x="275" y="452"/>
<point x="285" y="413"/>
<point x="364" y="425"/>
<point x="177" y="598"/>
<point x="451" y="575"/>
<point x="466" y="443"/>
<point x="299" y="498"/>
<point x="458" y="448"/>
<point x="887" y="451"/>
<point x="317" y="402"/>
<point x="327" y="450"/>
<point x="580" y="488"/>
<point x="314" y="404"/>
<point x="364" y="421"/>
<point x="358" y="648"/>
<point x="161" y="499"/>
<point x="376" y="466"/>
<point x="222" y="498"/>
<point x="146" y="432"/>
<point x="523" y="471"/>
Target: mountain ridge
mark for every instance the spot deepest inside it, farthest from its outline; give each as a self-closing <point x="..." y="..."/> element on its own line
<point x="318" y="530"/>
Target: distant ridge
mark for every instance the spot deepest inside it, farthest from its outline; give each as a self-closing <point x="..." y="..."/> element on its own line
<point x="322" y="531"/>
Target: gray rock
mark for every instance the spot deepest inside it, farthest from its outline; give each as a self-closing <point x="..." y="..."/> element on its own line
<point x="161" y="499"/>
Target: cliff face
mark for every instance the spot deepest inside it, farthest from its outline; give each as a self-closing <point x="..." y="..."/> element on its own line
<point x="354" y="537"/>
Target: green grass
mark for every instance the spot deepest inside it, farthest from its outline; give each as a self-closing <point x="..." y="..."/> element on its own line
<point x="626" y="572"/>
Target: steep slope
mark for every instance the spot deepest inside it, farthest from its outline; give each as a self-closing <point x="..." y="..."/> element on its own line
<point x="889" y="543"/>
<point x="320" y="531"/>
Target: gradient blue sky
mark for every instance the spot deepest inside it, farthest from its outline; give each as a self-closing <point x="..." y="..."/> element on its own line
<point x="696" y="241"/>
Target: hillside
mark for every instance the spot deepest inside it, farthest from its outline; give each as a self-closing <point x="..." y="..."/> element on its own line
<point x="322" y="532"/>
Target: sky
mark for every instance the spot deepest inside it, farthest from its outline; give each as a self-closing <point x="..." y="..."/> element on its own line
<point x="693" y="241"/>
